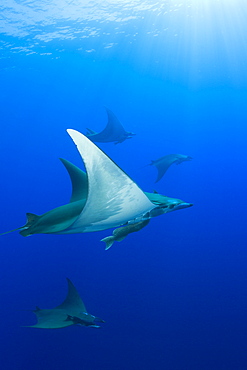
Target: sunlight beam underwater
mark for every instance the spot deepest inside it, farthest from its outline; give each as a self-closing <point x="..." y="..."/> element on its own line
<point x="105" y="197"/>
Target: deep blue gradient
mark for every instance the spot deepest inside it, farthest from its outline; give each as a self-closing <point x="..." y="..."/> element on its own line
<point x="173" y="295"/>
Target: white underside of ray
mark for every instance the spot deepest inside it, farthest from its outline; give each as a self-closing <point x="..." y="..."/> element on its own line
<point x="113" y="198"/>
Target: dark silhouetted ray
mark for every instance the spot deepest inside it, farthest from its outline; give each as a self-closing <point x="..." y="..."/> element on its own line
<point x="71" y="312"/>
<point x="113" y="131"/>
<point x="162" y="164"/>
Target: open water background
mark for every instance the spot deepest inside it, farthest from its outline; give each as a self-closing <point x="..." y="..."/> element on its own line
<point x="174" y="294"/>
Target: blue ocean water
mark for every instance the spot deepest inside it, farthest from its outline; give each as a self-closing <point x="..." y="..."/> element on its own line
<point x="174" y="294"/>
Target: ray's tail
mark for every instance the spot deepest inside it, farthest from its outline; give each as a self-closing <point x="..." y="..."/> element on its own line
<point x="31" y="218"/>
<point x="11" y="231"/>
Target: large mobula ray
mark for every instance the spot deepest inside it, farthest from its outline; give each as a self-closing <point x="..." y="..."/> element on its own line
<point x="71" y="312"/>
<point x="103" y="198"/>
<point x="107" y="197"/>
<point x="114" y="131"/>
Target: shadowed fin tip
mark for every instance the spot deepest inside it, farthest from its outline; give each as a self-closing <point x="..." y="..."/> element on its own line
<point x="90" y="131"/>
<point x="79" y="181"/>
<point x="69" y="281"/>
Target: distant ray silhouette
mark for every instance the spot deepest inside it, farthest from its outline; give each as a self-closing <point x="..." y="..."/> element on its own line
<point x="162" y="164"/>
<point x="71" y="312"/>
<point x="113" y="131"/>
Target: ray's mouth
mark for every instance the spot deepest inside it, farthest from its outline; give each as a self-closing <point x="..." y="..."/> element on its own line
<point x="183" y="205"/>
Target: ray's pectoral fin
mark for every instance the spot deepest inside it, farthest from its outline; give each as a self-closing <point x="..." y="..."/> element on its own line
<point x="72" y="299"/>
<point x="117" y="198"/>
<point x="78" y="179"/>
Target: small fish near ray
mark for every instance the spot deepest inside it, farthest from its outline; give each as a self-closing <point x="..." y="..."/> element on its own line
<point x="103" y="198"/>
<point x="165" y="205"/>
<point x="114" y="131"/>
<point x="121" y="233"/>
<point x="71" y="312"/>
<point x="162" y="164"/>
